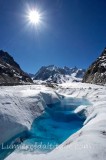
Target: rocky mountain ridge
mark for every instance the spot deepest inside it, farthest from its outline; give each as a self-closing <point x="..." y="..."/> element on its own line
<point x="56" y="74"/>
<point x="96" y="73"/>
<point x="10" y="71"/>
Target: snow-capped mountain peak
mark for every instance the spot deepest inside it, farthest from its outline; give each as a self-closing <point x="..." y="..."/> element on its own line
<point x="56" y="74"/>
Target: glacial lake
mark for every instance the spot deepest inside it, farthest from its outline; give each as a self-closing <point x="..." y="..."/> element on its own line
<point x="52" y="128"/>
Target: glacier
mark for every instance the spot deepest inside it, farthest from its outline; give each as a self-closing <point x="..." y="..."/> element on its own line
<point x="21" y="105"/>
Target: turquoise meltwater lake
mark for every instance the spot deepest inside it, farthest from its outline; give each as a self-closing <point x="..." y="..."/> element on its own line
<point x="53" y="127"/>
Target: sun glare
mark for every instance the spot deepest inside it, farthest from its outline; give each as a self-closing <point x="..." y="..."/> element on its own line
<point x="34" y="17"/>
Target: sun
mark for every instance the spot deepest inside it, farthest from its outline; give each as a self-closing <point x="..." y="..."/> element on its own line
<point x="34" y="17"/>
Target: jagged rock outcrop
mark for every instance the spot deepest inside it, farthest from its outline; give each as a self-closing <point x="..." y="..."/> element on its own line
<point x="96" y="73"/>
<point x="10" y="71"/>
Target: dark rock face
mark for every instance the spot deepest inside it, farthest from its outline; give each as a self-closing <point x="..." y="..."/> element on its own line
<point x="96" y="73"/>
<point x="56" y="74"/>
<point x="31" y="75"/>
<point x="10" y="71"/>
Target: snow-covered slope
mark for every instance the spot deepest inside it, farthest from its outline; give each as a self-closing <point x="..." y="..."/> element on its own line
<point x="59" y="75"/>
<point x="10" y="71"/>
<point x="96" y="73"/>
<point x="21" y="104"/>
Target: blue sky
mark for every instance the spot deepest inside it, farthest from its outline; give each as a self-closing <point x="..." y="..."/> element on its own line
<point x="72" y="32"/>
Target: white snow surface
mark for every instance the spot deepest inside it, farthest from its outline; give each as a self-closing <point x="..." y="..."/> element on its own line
<point x="20" y="105"/>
